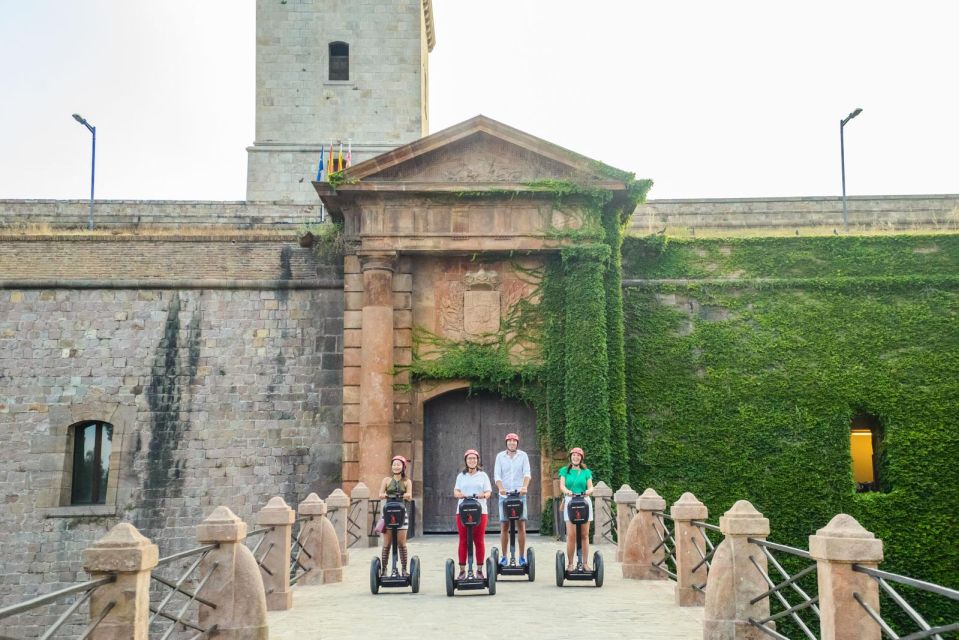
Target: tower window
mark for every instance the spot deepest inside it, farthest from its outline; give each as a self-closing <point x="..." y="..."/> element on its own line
<point x="92" y="443"/>
<point x="339" y="61"/>
<point x="865" y="446"/>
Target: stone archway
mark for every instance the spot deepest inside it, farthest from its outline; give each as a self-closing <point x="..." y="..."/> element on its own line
<point x="460" y="420"/>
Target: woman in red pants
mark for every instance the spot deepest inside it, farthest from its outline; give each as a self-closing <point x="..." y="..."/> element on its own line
<point x="472" y="481"/>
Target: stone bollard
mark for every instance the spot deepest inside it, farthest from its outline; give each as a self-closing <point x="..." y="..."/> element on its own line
<point x="274" y="553"/>
<point x="603" y="514"/>
<point x="641" y="539"/>
<point x="322" y="560"/>
<point x="688" y="536"/>
<point x="235" y="586"/>
<point x="625" y="500"/>
<point x="338" y="511"/>
<point x="734" y="581"/>
<point x="125" y="552"/>
<point x="360" y="535"/>
<point x="836" y="547"/>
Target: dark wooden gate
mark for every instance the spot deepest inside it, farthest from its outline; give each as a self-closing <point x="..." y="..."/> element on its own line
<point x="455" y="422"/>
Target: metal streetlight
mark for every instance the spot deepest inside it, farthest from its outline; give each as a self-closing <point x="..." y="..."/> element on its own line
<point x="842" y="157"/>
<point x="93" y="163"/>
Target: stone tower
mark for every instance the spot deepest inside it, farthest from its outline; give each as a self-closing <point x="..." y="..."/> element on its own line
<point x="334" y="70"/>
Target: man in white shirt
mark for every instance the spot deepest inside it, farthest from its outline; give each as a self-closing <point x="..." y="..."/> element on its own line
<point x="511" y="473"/>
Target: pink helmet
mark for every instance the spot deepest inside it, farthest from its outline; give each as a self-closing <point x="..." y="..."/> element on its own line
<point x="471" y="451"/>
<point x="400" y="458"/>
<point x="577" y="450"/>
<point x="512" y="436"/>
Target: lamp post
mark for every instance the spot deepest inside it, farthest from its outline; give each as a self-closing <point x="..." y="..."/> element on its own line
<point x="93" y="163"/>
<point x="842" y="159"/>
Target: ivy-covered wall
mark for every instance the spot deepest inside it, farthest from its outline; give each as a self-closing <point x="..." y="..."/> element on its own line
<point x="746" y="360"/>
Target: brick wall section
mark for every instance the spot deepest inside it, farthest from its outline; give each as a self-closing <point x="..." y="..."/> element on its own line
<point x="146" y="214"/>
<point x="865" y="212"/>
<point x="233" y="396"/>
<point x="126" y="257"/>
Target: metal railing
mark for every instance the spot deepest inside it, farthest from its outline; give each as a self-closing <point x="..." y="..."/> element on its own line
<point x="300" y="536"/>
<point x="85" y="589"/>
<point x="180" y="591"/>
<point x="260" y="536"/>
<point x="609" y="533"/>
<point x="705" y="555"/>
<point x="666" y="542"/>
<point x="789" y="610"/>
<point x="884" y="578"/>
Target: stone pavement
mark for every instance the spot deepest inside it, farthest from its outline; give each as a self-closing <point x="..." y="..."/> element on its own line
<point x="620" y="609"/>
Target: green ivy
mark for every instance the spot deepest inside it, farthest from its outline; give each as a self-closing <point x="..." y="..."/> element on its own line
<point x="746" y="388"/>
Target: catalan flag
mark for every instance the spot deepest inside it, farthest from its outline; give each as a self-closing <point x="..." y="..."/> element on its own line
<point x="339" y="159"/>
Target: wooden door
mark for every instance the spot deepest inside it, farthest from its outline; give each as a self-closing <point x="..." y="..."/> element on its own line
<point x="455" y="422"/>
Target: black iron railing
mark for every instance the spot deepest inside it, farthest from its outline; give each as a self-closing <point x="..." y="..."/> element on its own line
<point x="666" y="542"/>
<point x="181" y="592"/>
<point x="884" y="578"/>
<point x="609" y="533"/>
<point x="706" y="554"/>
<point x="300" y="536"/>
<point x="778" y="590"/>
<point x="258" y="537"/>
<point x="84" y="589"/>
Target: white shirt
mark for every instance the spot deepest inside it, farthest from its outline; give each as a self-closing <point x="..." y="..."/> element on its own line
<point x="474" y="484"/>
<point x="511" y="471"/>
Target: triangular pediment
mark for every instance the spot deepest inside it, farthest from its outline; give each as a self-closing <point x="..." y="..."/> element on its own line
<point x="480" y="151"/>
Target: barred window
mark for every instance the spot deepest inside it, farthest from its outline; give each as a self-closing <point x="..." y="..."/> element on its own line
<point x="339" y="61"/>
<point x="92" y="443"/>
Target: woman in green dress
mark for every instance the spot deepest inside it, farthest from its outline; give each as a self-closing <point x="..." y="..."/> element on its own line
<point x="576" y="478"/>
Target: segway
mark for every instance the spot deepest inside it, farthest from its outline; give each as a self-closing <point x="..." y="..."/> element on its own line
<point x="394" y="514"/>
<point x="470" y="513"/>
<point x="514" y="511"/>
<point x="578" y="512"/>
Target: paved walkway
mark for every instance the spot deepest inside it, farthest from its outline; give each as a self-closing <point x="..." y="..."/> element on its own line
<point x="620" y="609"/>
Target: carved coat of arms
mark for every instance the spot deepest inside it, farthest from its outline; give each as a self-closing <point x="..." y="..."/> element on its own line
<point x="481" y="304"/>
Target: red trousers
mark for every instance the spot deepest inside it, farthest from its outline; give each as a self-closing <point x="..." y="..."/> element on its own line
<point x="479" y="541"/>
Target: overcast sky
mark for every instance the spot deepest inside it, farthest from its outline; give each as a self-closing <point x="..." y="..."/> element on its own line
<point x="709" y="99"/>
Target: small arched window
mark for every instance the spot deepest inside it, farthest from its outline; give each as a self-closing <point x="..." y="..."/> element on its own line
<point x="866" y="445"/>
<point x="339" y="61"/>
<point x="92" y="443"/>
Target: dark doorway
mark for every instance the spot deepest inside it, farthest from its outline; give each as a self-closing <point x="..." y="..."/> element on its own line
<point x="457" y="421"/>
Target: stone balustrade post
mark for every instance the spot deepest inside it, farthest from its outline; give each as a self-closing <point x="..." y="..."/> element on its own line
<point x="360" y="536"/>
<point x="734" y="581"/>
<point x="625" y="500"/>
<point x="602" y="513"/>
<point x="641" y="540"/>
<point x="322" y="560"/>
<point x="688" y="537"/>
<point x="338" y="511"/>
<point x="274" y="553"/>
<point x="836" y="547"/>
<point x="235" y="586"/>
<point x="127" y="554"/>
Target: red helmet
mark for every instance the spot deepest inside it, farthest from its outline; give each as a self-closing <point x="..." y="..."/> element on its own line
<point x="512" y="436"/>
<point x="400" y="458"/>
<point x="471" y="451"/>
<point x="577" y="450"/>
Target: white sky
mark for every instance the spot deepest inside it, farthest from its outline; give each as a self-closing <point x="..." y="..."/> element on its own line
<point x="710" y="99"/>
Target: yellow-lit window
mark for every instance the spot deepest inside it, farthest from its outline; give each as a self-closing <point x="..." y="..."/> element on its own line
<point x="863" y="445"/>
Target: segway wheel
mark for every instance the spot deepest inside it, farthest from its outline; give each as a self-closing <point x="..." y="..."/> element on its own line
<point x="530" y="564"/>
<point x="598" y="568"/>
<point x="450" y="573"/>
<point x="560" y="568"/>
<point x="491" y="576"/>
<point x="415" y="574"/>
<point x="494" y="554"/>
<point x="375" y="576"/>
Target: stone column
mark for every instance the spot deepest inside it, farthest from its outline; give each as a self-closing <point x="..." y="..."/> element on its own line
<point x="235" y="586"/>
<point x="125" y="552"/>
<point x="274" y="552"/>
<point x="322" y="561"/>
<point x="734" y="581"/>
<point x="688" y="536"/>
<point x="836" y="547"/>
<point x="338" y="505"/>
<point x="602" y="512"/>
<point x="625" y="500"/>
<point x="376" y="364"/>
<point x="641" y="539"/>
<point x="360" y="536"/>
